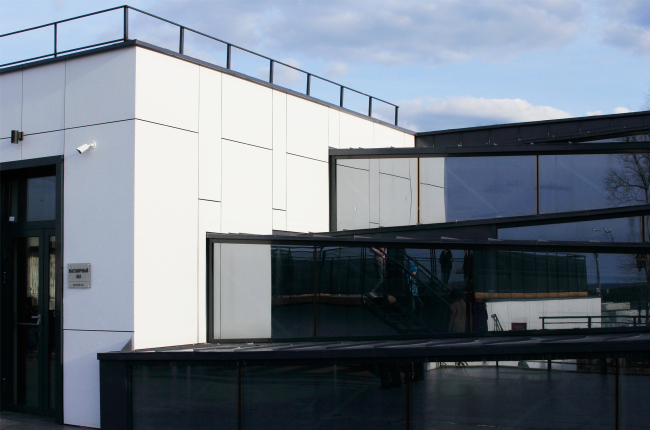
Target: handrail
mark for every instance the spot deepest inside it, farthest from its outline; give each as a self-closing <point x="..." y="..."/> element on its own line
<point x="415" y="278"/>
<point x="589" y="319"/>
<point x="181" y="50"/>
<point x="497" y="323"/>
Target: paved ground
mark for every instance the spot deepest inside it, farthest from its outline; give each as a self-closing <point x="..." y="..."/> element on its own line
<point x="13" y="421"/>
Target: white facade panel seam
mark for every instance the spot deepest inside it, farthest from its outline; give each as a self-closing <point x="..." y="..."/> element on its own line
<point x="209" y="200"/>
<point x="308" y="158"/>
<point x="247" y="144"/>
<point x="166" y="125"/>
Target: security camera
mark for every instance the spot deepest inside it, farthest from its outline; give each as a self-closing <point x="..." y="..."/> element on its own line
<point x="85" y="147"/>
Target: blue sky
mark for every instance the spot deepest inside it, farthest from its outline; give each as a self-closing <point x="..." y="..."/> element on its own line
<point x="448" y="64"/>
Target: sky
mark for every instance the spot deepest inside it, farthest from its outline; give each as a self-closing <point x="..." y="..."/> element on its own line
<point x="446" y="63"/>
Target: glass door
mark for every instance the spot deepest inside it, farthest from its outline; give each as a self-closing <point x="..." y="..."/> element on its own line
<point x="29" y="297"/>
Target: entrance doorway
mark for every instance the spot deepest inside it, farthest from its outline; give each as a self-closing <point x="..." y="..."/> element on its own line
<point x="30" y="302"/>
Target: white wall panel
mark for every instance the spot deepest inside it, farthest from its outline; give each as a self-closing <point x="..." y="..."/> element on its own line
<point x="432" y="171"/>
<point x="279" y="220"/>
<point x="100" y="88"/>
<point x="432" y="204"/>
<point x="374" y="190"/>
<point x="246" y="189"/>
<point x="98" y="226"/>
<point x="43" y="145"/>
<point x="355" y="132"/>
<point x="247" y="112"/>
<point x="11" y="102"/>
<point x="165" y="235"/>
<point x="307" y="128"/>
<point x="167" y="90"/>
<point x="409" y="140"/>
<point x="216" y="290"/>
<point x="395" y="201"/>
<point x="209" y="221"/>
<point x="353" y="207"/>
<point x="81" y="373"/>
<point x="279" y="150"/>
<point x="307" y="194"/>
<point x="9" y="151"/>
<point x="43" y="98"/>
<point x="385" y="137"/>
<point x="210" y="135"/>
<point x="334" y="135"/>
<point x="396" y="166"/>
<point x="245" y="286"/>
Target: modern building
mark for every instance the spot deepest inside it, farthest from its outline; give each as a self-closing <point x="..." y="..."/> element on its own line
<point x="230" y="249"/>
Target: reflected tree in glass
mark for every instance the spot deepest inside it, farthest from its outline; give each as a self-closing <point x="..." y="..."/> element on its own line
<point x="629" y="183"/>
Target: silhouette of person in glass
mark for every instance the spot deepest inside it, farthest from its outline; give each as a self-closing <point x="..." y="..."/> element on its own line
<point x="446" y="261"/>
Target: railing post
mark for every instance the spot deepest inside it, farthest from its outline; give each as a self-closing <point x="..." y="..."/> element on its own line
<point x="181" y="42"/>
<point x="126" y="23"/>
<point x="55" y="39"/>
<point x="271" y="72"/>
<point x="396" y="107"/>
<point x="342" y="88"/>
<point x="543" y="323"/>
<point x="370" y="106"/>
<point x="308" y="83"/>
<point x="588" y="322"/>
<point x="228" y="50"/>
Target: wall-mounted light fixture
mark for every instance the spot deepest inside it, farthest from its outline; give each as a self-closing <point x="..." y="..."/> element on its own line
<point x="85" y="147"/>
<point x="16" y="136"/>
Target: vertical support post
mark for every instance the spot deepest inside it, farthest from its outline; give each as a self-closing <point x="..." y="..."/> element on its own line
<point x="370" y="106"/>
<point x="549" y="365"/>
<point x="315" y="290"/>
<point x="228" y="52"/>
<point x="126" y="23"/>
<point x="342" y="88"/>
<point x="308" y="84"/>
<point x="588" y="322"/>
<point x="181" y="42"/>
<point x="617" y="388"/>
<point x="55" y="39"/>
<point x="396" y="108"/>
<point x="537" y="184"/>
<point x="271" y="72"/>
<point x="239" y="396"/>
<point x="408" y="378"/>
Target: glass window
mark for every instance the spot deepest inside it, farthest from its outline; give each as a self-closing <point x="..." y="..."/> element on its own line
<point x="328" y="397"/>
<point x="615" y="230"/>
<point x="184" y="397"/>
<point x="579" y="182"/>
<point x="489" y="187"/>
<point x="41" y="198"/>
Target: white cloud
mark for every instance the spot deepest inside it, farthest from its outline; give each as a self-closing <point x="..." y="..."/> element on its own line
<point x="615" y="110"/>
<point x="388" y="31"/>
<point x="627" y="25"/>
<point x="425" y="114"/>
<point x="337" y="69"/>
<point x="621" y="110"/>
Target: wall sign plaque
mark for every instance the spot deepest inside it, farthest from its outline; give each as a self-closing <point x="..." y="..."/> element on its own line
<point x="79" y="275"/>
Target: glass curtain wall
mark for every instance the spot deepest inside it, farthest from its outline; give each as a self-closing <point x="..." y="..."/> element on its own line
<point x="356" y="291"/>
<point x="572" y="393"/>
<point x="449" y="189"/>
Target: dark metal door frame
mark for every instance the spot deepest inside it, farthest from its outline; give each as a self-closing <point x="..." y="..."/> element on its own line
<point x="44" y="229"/>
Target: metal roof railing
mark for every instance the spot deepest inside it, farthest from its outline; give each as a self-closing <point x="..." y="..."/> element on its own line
<point x="181" y="48"/>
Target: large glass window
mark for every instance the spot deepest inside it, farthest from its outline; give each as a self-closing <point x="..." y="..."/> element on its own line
<point x="350" y="291"/>
<point x="614" y="230"/>
<point x="489" y="187"/>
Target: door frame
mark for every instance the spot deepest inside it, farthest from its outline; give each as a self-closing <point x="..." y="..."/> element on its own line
<point x="28" y="168"/>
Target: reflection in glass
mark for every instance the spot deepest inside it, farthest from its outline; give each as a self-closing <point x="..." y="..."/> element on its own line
<point x="184" y="397"/>
<point x="51" y="315"/>
<point x="27" y="323"/>
<point x="328" y="397"/>
<point x="580" y="182"/>
<point x="489" y="187"/>
<point x="614" y="230"/>
<point x="352" y="291"/>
